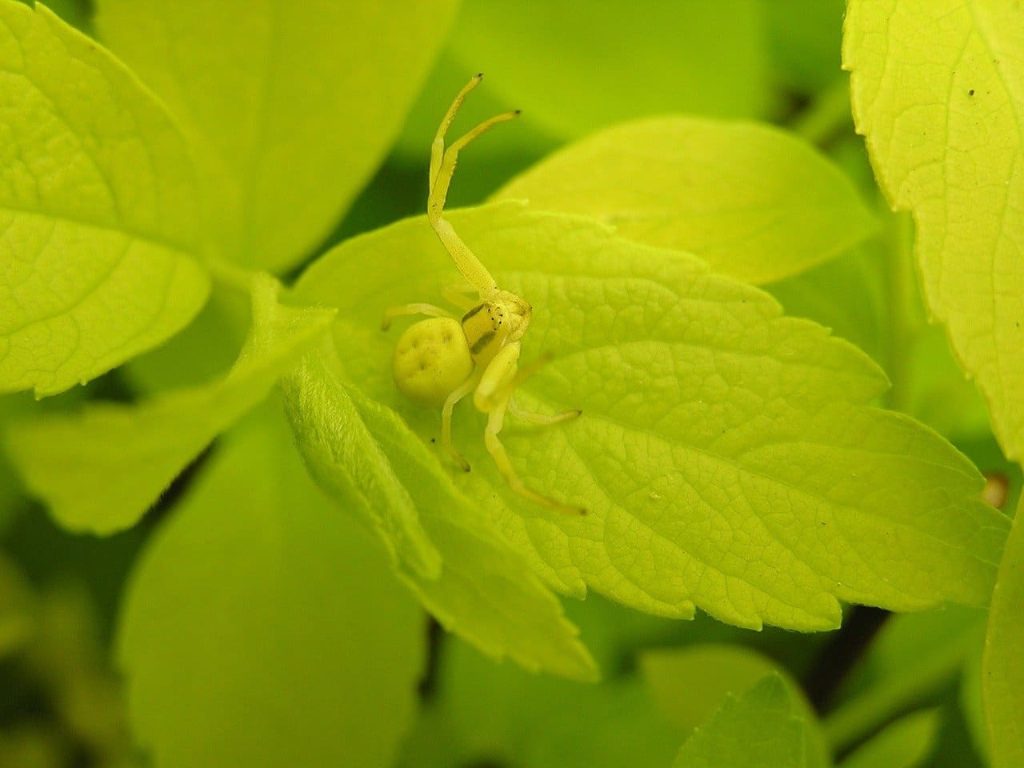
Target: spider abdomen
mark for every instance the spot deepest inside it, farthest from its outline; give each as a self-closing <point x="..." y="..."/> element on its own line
<point x="431" y="360"/>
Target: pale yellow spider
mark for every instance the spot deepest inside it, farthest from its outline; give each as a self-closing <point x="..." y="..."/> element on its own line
<point x="439" y="361"/>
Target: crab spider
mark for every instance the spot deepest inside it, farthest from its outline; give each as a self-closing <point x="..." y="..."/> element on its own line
<point x="441" y="360"/>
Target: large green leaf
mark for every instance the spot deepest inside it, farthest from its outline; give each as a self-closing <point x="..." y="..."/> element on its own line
<point x="727" y="455"/>
<point x="1003" y="665"/>
<point x="751" y="200"/>
<point x="99" y="227"/>
<point x="938" y="92"/>
<point x="293" y="106"/>
<point x="99" y="470"/>
<point x="446" y="548"/>
<point x="765" y="726"/>
<point x="263" y="628"/>
<point x="564" y="65"/>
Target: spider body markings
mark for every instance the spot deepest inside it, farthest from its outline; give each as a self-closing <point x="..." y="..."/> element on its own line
<point x="443" y="359"/>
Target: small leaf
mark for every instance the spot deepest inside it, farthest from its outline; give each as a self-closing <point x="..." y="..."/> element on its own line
<point x="368" y="460"/>
<point x="99" y="228"/>
<point x="903" y="744"/>
<point x="101" y="469"/>
<point x="690" y="683"/>
<point x="938" y="92"/>
<point x="727" y="455"/>
<point x="1003" y="663"/>
<point x="262" y="627"/>
<point x="292" y="106"/>
<point x="762" y="727"/>
<point x="751" y="200"/>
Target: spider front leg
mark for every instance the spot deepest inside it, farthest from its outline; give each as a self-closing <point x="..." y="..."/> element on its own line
<point x="442" y="168"/>
<point x="492" y="396"/>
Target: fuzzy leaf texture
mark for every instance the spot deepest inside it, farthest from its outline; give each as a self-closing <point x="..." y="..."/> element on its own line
<point x="452" y="557"/>
<point x="292" y="107"/>
<point x="938" y="92"/>
<point x="764" y="726"/>
<point x="262" y="628"/>
<point x="752" y="201"/>
<point x="1003" y="664"/>
<point x="99" y="470"/>
<point x="99" y="229"/>
<point x="728" y="456"/>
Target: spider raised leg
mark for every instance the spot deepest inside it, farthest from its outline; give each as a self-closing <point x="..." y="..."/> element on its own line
<point x="441" y="360"/>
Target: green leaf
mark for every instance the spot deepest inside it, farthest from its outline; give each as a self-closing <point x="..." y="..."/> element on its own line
<point x="751" y="200"/>
<point x="483" y="713"/>
<point x="912" y="658"/>
<point x="805" y="37"/>
<point x="938" y="92"/>
<point x="101" y="469"/>
<point x="445" y="548"/>
<point x="1003" y="664"/>
<point x="689" y="683"/>
<point x="703" y="56"/>
<point x="904" y="744"/>
<point x="292" y="107"/>
<point x="763" y="727"/>
<point x="726" y="454"/>
<point x="848" y="295"/>
<point x="262" y="627"/>
<point x="99" y="227"/>
<point x="870" y="297"/>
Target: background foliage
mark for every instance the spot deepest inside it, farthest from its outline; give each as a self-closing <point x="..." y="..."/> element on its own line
<point x="788" y="299"/>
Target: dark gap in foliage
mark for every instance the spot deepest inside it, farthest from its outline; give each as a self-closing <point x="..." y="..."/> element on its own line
<point x="50" y="556"/>
<point x="24" y="698"/>
<point x="841" y="654"/>
<point x="427" y="686"/>
<point x="27" y="703"/>
<point x="177" y="489"/>
<point x="111" y="387"/>
<point x="486" y="763"/>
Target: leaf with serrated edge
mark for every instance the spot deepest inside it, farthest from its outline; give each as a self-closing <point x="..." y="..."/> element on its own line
<point x="262" y="627"/>
<point x="293" y="106"/>
<point x="726" y="454"/>
<point x="101" y="469"/>
<point x="938" y="92"/>
<point x="485" y="591"/>
<point x="1003" y="664"/>
<point x="762" y="727"/>
<point x="98" y="219"/>
<point x="751" y="200"/>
